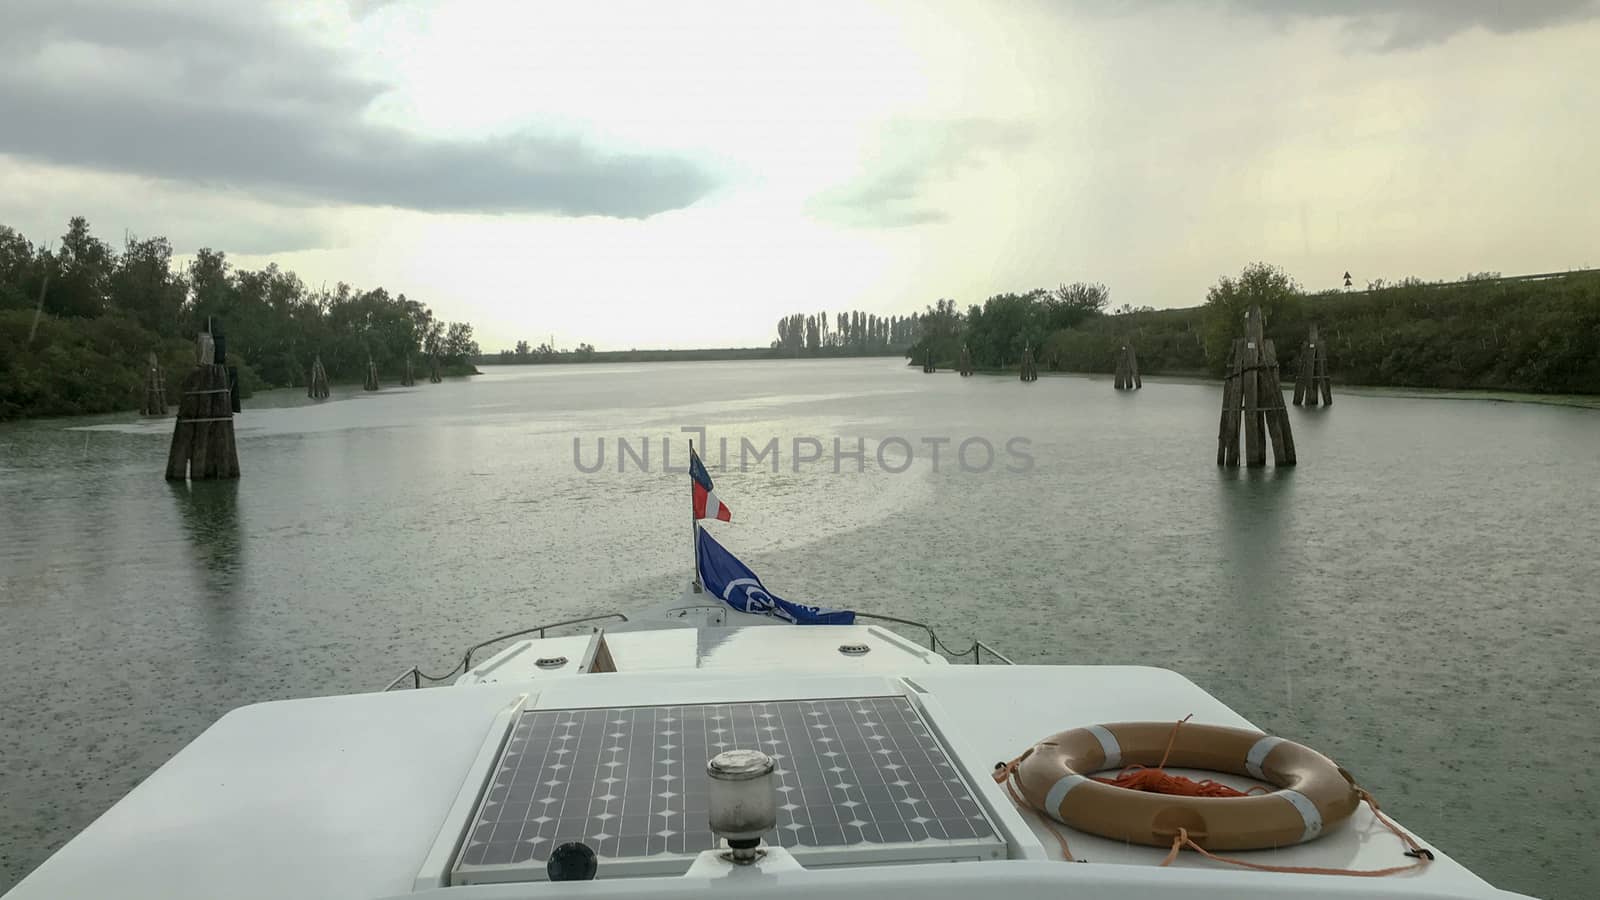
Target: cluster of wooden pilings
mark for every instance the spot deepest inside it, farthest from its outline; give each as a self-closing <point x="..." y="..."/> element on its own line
<point x="1030" y="369"/>
<point x="407" y="377"/>
<point x="927" y="364"/>
<point x="202" y="439"/>
<point x="1253" y="397"/>
<point x="1313" y="376"/>
<point x="155" y="390"/>
<point x="1128" y="369"/>
<point x="371" y="382"/>
<point x="966" y="361"/>
<point x="434" y="376"/>
<point x="317" y="380"/>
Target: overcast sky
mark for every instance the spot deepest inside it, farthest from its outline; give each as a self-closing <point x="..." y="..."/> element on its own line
<point x="681" y="174"/>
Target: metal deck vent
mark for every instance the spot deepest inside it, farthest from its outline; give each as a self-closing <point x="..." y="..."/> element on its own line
<point x="860" y="780"/>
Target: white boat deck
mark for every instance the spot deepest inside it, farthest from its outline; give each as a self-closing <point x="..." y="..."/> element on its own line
<point x="367" y="796"/>
<point x="771" y="650"/>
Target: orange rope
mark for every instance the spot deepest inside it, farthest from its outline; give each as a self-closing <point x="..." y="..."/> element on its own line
<point x="1423" y="857"/>
<point x="1172" y="739"/>
<point x="1389" y="823"/>
<point x="1159" y="781"/>
<point x="1006" y="774"/>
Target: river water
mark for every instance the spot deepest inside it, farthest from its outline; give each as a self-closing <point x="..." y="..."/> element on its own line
<point x="1416" y="598"/>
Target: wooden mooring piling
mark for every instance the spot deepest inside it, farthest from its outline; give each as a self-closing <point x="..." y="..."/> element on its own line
<point x="203" y="446"/>
<point x="155" y="389"/>
<point x="1312" y="378"/>
<point x="317" y="380"/>
<point x="1128" y="369"/>
<point x="1253" y="397"/>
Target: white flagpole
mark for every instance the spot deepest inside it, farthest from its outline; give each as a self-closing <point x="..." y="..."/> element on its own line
<point x="694" y="527"/>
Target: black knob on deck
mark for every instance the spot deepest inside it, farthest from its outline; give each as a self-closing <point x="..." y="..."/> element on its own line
<point x="572" y="861"/>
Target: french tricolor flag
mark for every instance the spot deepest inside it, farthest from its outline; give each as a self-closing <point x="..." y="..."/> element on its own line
<point x="706" y="504"/>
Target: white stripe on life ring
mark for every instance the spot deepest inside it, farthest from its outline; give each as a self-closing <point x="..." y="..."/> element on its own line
<point x="1108" y="745"/>
<point x="1258" y="755"/>
<point x="1058" y="793"/>
<point x="1308" y="812"/>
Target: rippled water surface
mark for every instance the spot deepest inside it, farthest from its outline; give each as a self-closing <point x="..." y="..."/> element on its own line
<point x="1418" y="598"/>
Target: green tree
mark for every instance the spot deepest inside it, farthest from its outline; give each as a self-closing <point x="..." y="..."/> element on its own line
<point x="211" y="288"/>
<point x="1259" y="284"/>
<point x="941" y="330"/>
<point x="83" y="273"/>
<point x="144" y="286"/>
<point x="104" y="313"/>
<point x="19" y="270"/>
<point x="459" y="347"/>
<point x="1071" y="304"/>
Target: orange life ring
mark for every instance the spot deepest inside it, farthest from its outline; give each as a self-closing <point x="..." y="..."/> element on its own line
<point x="1313" y="793"/>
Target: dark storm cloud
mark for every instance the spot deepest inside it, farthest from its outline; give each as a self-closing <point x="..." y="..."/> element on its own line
<point x="1399" y="24"/>
<point x="887" y="200"/>
<point x="239" y="100"/>
<point x="362" y="8"/>
<point x="919" y="156"/>
<point x="1389" y="24"/>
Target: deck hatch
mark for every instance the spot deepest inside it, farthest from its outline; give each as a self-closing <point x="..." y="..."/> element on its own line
<point x="861" y="779"/>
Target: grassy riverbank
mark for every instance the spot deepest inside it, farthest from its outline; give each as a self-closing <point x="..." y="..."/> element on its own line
<point x="1482" y="334"/>
<point x="1530" y="334"/>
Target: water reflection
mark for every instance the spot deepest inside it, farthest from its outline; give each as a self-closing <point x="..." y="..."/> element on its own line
<point x="1255" y="513"/>
<point x="209" y="511"/>
<point x="1253" y="504"/>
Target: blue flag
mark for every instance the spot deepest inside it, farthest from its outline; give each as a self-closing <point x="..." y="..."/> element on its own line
<point x="730" y="580"/>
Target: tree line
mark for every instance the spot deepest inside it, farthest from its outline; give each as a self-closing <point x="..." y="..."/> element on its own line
<point x="525" y="353"/>
<point x="846" y="334"/>
<point x="1481" y="332"/>
<point x="79" y="320"/>
<point x="997" y="332"/>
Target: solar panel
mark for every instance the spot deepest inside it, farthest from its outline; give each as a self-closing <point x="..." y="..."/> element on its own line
<point x="630" y="782"/>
